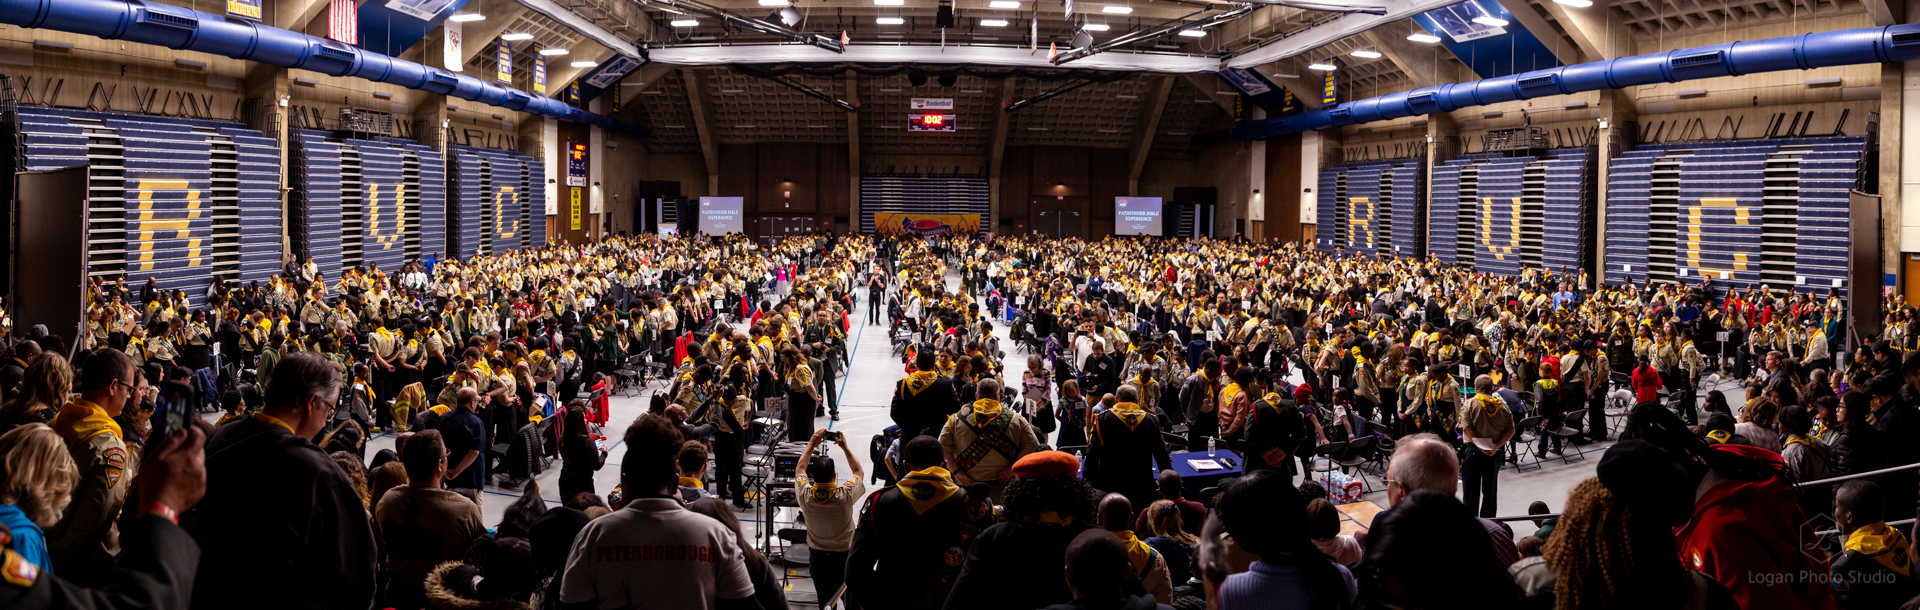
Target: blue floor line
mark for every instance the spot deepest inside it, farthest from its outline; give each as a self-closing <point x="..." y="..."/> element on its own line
<point x="839" y="399"/>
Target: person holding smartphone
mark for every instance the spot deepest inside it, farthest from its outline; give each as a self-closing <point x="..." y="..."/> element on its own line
<point x="828" y="504"/>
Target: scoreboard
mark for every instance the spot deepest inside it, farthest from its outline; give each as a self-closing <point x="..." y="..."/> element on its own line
<point x="930" y="122"/>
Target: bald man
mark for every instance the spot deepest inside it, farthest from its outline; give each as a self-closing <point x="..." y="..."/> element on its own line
<point x="1423" y="461"/>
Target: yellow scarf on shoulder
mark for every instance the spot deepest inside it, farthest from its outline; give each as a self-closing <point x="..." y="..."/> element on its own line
<point x="919" y="381"/>
<point x="692" y="482"/>
<point x="925" y="489"/>
<point x="1880" y="542"/>
<point x="81" y="419"/>
<point x="1129" y="414"/>
<point x="1137" y="551"/>
<point x="985" y="411"/>
<point x="1491" y="404"/>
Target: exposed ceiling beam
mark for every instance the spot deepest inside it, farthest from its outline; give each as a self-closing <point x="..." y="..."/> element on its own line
<point x="1426" y="64"/>
<point x="1596" y="29"/>
<point x="586" y="27"/>
<point x="560" y="70"/>
<point x="1523" y="11"/>
<point x="1305" y="86"/>
<point x="1210" y="85"/>
<point x="480" y="34"/>
<point x="1162" y="30"/>
<point x="853" y="147"/>
<point x="703" y="124"/>
<point x="997" y="151"/>
<point x="1146" y="128"/>
<point x="859" y="53"/>
<point x="1332" y="31"/>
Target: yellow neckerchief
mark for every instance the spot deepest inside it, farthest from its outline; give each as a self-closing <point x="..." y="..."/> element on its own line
<point x="1128" y="413"/>
<point x="81" y="419"/>
<point x="1210" y="404"/>
<point x="1490" y="404"/>
<point x="925" y="489"/>
<point x="1232" y="391"/>
<point x="692" y="482"/>
<point x="1720" y="437"/>
<point x="1137" y="551"/>
<point x="1800" y="439"/>
<point x="440" y="409"/>
<point x="919" y="381"/>
<point x="269" y="419"/>
<point x="1880" y="542"/>
<point x="985" y="411"/>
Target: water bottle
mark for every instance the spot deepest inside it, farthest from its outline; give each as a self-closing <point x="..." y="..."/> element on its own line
<point x="1209" y="446"/>
<point x="1080" y="456"/>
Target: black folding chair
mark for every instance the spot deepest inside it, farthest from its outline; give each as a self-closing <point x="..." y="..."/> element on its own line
<point x="1529" y="433"/>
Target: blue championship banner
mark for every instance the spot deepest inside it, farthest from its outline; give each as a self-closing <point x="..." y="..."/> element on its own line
<point x="244" y="9"/>
<point x="539" y="71"/>
<point x="1329" y="91"/>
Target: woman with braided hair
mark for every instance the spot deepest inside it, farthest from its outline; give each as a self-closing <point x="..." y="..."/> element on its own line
<point x="1606" y="552"/>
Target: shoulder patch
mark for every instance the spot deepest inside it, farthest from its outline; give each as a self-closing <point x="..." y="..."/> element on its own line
<point x="116" y="461"/>
<point x="16" y="570"/>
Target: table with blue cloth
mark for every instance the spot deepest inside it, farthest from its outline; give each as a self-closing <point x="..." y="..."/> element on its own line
<point x="1193" y="481"/>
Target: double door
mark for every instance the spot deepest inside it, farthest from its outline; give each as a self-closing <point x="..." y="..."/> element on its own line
<point x="1059" y="216"/>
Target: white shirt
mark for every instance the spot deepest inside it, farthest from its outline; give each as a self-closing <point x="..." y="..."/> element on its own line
<point x="655" y="554"/>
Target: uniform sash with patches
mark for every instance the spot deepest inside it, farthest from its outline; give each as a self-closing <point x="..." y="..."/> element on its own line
<point x="989" y="425"/>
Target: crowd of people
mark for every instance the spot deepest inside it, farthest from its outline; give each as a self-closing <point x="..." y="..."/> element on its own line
<point x="1044" y="486"/>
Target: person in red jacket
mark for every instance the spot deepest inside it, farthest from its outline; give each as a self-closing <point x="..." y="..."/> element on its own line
<point x="1646" y="383"/>
<point x="1746" y="532"/>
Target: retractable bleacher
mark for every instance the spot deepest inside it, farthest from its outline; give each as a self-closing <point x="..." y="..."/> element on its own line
<point x="1772" y="212"/>
<point x="1371" y="207"/>
<point x="182" y="201"/>
<point x="1503" y="212"/>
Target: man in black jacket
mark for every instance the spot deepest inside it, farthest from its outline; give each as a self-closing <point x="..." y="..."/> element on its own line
<point x="922" y="401"/>
<point x="282" y="526"/>
<point x="909" y="539"/>
<point x="1199" y="398"/>
<point x="1099" y="374"/>
<point x="1125" y="443"/>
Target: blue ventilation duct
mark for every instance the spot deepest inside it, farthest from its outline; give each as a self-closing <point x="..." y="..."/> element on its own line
<point x="181" y="28"/>
<point x="1802" y="52"/>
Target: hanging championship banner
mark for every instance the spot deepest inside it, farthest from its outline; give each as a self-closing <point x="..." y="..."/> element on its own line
<point x="573" y="93"/>
<point x="245" y="9"/>
<point x="539" y="71"/>
<point x="503" y="62"/>
<point x="573" y="208"/>
<point x="897" y="223"/>
<point x="1329" y="90"/>
<point x="455" y="58"/>
<point x="1286" y="101"/>
<point x="616" y="98"/>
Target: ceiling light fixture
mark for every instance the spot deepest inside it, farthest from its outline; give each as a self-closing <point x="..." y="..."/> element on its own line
<point x="585" y="63"/>
<point x="553" y="51"/>
<point x="1117" y="10"/>
<point x="774" y="2"/>
<point x="1004" y="4"/>
<point x="1193" y="33"/>
<point x="516" y="36"/>
<point x="465" y="17"/>
<point x="1575" y="3"/>
<point x="1286" y="76"/>
<point x="1424" y="38"/>
<point x="1367" y="54"/>
<point x="889" y="21"/>
<point x="1323" y="67"/>
<point x="1095" y="27"/>
<point x="684" y="23"/>
<point x="1482" y="20"/>
<point x="994" y="23"/>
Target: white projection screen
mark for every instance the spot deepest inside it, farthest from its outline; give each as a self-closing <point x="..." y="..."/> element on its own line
<point x="720" y="215"/>
<point x="1136" y="216"/>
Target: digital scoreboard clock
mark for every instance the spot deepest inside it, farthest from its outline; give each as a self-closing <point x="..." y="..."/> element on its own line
<point x="930" y="122"/>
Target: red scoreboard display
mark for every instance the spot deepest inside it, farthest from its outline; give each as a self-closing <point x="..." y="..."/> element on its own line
<point x="930" y="122"/>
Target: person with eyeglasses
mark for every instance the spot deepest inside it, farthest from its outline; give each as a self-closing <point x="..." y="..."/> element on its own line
<point x="86" y="539"/>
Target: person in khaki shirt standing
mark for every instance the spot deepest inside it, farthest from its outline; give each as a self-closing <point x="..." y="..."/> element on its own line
<point x="1486" y="425"/>
<point x="983" y="440"/>
<point x="828" y="505"/>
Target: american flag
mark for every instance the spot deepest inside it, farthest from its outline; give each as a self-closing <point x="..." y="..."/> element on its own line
<point x="343" y="21"/>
